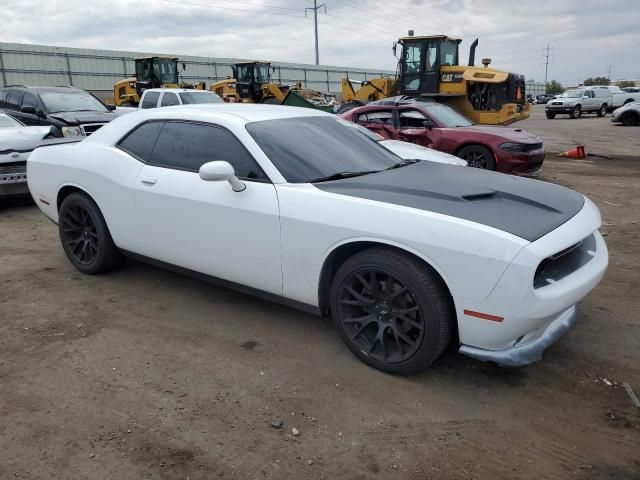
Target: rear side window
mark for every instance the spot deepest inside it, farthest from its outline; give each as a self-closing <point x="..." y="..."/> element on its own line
<point x="187" y="146"/>
<point x="384" y="117"/>
<point x="13" y="99"/>
<point x="169" y="99"/>
<point x="150" y="100"/>
<point x="141" y="141"/>
<point x="29" y="100"/>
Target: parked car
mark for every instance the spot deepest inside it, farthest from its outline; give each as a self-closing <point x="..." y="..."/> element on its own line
<point x="530" y="98"/>
<point x="166" y="97"/>
<point x="543" y="99"/>
<point x="406" y="150"/>
<point x="622" y="96"/>
<point x="289" y="204"/>
<point x="437" y="126"/>
<point x="68" y="111"/>
<point x="576" y="102"/>
<point x="17" y="141"/>
<point x="628" y="115"/>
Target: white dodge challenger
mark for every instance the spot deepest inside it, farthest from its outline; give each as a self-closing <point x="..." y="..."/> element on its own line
<point x="406" y="257"/>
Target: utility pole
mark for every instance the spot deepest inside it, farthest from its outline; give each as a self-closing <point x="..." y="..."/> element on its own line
<point x="315" y="21"/>
<point x="609" y="74"/>
<point x="546" y="55"/>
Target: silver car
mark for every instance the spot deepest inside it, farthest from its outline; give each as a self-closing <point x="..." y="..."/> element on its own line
<point x="628" y="115"/>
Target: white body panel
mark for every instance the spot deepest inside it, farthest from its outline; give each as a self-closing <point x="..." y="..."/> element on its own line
<point x="276" y="236"/>
<point x="411" y="151"/>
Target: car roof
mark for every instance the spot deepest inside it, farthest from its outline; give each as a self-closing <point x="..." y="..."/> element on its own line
<point x="62" y="88"/>
<point x="250" y="112"/>
<point x="178" y="90"/>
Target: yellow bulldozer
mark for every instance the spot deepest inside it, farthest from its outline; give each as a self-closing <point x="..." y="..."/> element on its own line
<point x="151" y="72"/>
<point x="428" y="67"/>
<point x="252" y="83"/>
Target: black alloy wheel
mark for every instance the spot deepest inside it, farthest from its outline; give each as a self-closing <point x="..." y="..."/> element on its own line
<point x="80" y="235"/>
<point x="630" y="119"/>
<point x="576" y="112"/>
<point x="478" y="156"/>
<point x="392" y="311"/>
<point x="380" y="314"/>
<point x="603" y="111"/>
<point x="84" y="235"/>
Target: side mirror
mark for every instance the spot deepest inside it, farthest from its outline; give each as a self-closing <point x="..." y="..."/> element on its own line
<point x="111" y="107"/>
<point x="218" y="171"/>
<point x="428" y="124"/>
<point x="28" y="109"/>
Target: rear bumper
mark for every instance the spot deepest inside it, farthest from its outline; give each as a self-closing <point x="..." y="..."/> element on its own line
<point x="528" y="352"/>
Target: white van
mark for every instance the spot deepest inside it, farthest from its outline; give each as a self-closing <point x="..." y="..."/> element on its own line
<point x="596" y="99"/>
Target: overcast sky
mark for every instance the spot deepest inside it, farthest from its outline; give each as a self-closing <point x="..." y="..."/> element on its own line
<point x="586" y="36"/>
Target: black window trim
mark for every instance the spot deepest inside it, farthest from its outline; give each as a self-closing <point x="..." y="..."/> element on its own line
<point x="195" y="122"/>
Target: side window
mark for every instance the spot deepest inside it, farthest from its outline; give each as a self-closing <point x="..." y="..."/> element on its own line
<point x="140" y="142"/>
<point x="150" y="100"/>
<point x="383" y="117"/>
<point x="187" y="146"/>
<point x="29" y="100"/>
<point x="168" y="99"/>
<point x="13" y="99"/>
<point x="412" y="119"/>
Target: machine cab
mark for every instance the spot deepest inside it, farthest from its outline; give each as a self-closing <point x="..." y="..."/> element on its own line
<point x="250" y="77"/>
<point x="422" y="57"/>
<point x="155" y="72"/>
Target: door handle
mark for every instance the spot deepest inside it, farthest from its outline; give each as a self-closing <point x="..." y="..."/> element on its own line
<point x="149" y="180"/>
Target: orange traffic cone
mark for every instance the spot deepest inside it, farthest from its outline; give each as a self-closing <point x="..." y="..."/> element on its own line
<point x="577" y="152"/>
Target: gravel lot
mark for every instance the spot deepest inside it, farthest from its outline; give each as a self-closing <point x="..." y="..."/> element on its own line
<point x="143" y="373"/>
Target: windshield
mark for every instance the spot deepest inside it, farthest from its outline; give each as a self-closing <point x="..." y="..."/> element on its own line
<point x="165" y="71"/>
<point x="448" y="53"/>
<point x="308" y="148"/>
<point x="262" y="73"/>
<point x="446" y="116"/>
<point x="71" y="102"/>
<point x="199" y="97"/>
<point x="7" y="121"/>
<point x="571" y="94"/>
<point x="363" y="130"/>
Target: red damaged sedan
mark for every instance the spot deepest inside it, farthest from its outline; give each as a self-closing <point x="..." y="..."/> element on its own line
<point x="434" y="125"/>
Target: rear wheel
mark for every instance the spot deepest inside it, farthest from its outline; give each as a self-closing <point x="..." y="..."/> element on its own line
<point x="576" y="112"/>
<point x="85" y="237"/>
<point x="630" y="119"/>
<point x="550" y="115"/>
<point x="478" y="156"/>
<point x="391" y="311"/>
<point x="603" y="110"/>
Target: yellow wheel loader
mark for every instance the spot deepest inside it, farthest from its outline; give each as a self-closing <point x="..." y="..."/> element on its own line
<point x="151" y="72"/>
<point x="429" y="68"/>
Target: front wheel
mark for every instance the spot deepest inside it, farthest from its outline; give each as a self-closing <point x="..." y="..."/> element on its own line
<point x="85" y="237"/>
<point x="576" y="112"/>
<point x="478" y="156"/>
<point x="603" y="111"/>
<point x="550" y="115"/>
<point x="630" y="119"/>
<point x="391" y="311"/>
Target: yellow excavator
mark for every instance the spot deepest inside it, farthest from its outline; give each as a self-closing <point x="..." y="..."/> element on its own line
<point x="151" y="72"/>
<point x="428" y="67"/>
<point x="252" y="83"/>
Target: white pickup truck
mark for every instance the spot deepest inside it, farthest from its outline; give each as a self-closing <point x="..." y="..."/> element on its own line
<point x="620" y="97"/>
<point x="165" y="97"/>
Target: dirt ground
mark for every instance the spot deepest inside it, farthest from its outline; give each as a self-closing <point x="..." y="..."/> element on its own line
<point x="145" y="374"/>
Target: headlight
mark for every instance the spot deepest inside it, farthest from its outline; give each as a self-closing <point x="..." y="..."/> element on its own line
<point x="514" y="147"/>
<point x="72" y="132"/>
<point x="132" y="84"/>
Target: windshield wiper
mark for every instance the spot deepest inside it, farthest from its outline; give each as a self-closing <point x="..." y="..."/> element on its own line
<point x="340" y="175"/>
<point x="404" y="163"/>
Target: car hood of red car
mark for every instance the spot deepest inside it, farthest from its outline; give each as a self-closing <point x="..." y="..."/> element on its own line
<point x="516" y="135"/>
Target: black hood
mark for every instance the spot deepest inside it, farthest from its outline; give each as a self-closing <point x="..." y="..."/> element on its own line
<point x="521" y="206"/>
<point x="77" y="118"/>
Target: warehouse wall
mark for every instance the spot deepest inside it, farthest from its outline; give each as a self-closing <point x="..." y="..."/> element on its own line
<point x="98" y="70"/>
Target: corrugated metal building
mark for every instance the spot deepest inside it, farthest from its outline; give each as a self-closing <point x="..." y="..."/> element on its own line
<point x="98" y="70"/>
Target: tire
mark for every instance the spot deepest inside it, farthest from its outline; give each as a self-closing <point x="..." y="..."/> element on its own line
<point x="399" y="343"/>
<point x="270" y="101"/>
<point x="350" y="106"/>
<point x="603" y="110"/>
<point x="576" y="112"/>
<point x="478" y="156"/>
<point x="630" y="119"/>
<point x="85" y="237"/>
<point x="550" y="115"/>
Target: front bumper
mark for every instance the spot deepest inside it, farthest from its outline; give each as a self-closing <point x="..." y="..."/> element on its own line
<point x="13" y="179"/>
<point x="559" y="108"/>
<point x="529" y="351"/>
<point x="520" y="163"/>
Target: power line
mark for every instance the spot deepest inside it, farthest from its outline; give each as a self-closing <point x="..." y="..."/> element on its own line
<point x="193" y="4"/>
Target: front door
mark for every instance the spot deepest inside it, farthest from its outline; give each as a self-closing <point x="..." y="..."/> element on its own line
<point x="431" y="73"/>
<point x="414" y="127"/>
<point x="202" y="225"/>
<point x="378" y="121"/>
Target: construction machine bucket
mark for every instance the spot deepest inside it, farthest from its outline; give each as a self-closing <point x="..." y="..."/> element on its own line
<point x="294" y="100"/>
